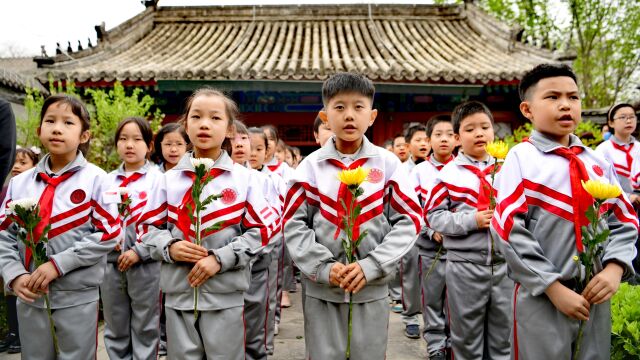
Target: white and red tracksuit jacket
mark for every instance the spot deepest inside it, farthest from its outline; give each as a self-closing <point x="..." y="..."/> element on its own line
<point x="248" y="223"/>
<point x="391" y="215"/>
<point x="534" y="216"/>
<point x="83" y="231"/>
<point x="623" y="157"/>
<point x="451" y="207"/>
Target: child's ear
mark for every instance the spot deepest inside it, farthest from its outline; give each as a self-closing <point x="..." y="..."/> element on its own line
<point x="374" y="115"/>
<point x="38" y="130"/>
<point x="231" y="131"/>
<point x="456" y="137"/>
<point x="85" y="136"/>
<point x="525" y="109"/>
<point x="323" y="116"/>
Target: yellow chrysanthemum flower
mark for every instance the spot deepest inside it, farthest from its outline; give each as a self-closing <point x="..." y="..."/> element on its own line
<point x="353" y="177"/>
<point x="497" y="149"/>
<point x="601" y="190"/>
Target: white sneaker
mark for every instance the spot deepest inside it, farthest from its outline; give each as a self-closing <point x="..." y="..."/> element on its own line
<point x="276" y="329"/>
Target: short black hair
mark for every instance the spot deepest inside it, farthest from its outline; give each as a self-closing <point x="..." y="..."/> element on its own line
<point x="143" y="126"/>
<point x="412" y="130"/>
<point x="435" y="121"/>
<point x="77" y="108"/>
<point x="156" y="156"/>
<point x="258" y="131"/>
<point x="543" y="71"/>
<point x="465" y="110"/>
<point x="316" y="124"/>
<point x="346" y="82"/>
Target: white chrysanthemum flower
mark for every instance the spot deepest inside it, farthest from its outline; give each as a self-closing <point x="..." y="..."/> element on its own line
<point x="26" y="203"/>
<point x="123" y="191"/>
<point x="208" y="163"/>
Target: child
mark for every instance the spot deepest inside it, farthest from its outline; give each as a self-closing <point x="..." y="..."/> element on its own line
<point x="83" y="231"/>
<point x="432" y="275"/>
<point x="538" y="223"/>
<point x="25" y="160"/>
<point x="131" y="286"/>
<point x="400" y="147"/>
<point x="312" y="227"/>
<point x="416" y="137"/>
<point x="240" y="144"/>
<point x="478" y="288"/>
<point x="260" y="299"/>
<point x="219" y="268"/>
<point x="169" y="146"/>
<point x="622" y="148"/>
<point x="321" y="132"/>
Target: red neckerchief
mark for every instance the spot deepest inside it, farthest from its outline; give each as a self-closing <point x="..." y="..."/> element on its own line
<point x="484" y="192"/>
<point x="46" y="207"/>
<point x="128" y="180"/>
<point x="345" y="194"/>
<point x="275" y="167"/>
<point x="184" y="221"/>
<point x="581" y="198"/>
<point x="439" y="167"/>
<point x="626" y="151"/>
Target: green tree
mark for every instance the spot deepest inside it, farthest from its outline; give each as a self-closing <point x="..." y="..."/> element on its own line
<point x="109" y="108"/>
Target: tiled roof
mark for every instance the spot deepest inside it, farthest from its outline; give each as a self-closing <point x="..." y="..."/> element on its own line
<point x="396" y="43"/>
<point x="17" y="74"/>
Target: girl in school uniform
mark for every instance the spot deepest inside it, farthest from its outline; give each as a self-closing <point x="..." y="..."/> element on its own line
<point x="131" y="287"/>
<point x="83" y="230"/>
<point x="170" y="144"/>
<point x="220" y="267"/>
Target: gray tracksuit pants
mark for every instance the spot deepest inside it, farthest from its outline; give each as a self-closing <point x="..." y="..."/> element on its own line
<point x="256" y="302"/>
<point x="76" y="329"/>
<point x="433" y="303"/>
<point x="217" y="334"/>
<point x="325" y="327"/>
<point x="410" y="280"/>
<point x="543" y="332"/>
<point x="275" y="282"/>
<point x="132" y="316"/>
<point x="480" y="310"/>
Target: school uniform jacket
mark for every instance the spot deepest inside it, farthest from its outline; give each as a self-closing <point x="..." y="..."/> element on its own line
<point x="623" y="158"/>
<point x="451" y="210"/>
<point x="390" y="215"/>
<point x="83" y="232"/>
<point x="247" y="224"/>
<point x="272" y="187"/>
<point x="139" y="194"/>
<point x="534" y="215"/>
<point x="425" y="176"/>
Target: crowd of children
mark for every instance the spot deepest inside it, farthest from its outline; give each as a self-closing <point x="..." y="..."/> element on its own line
<point x="482" y="249"/>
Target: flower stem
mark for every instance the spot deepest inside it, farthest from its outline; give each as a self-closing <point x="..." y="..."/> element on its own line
<point x="198" y="241"/>
<point x="52" y="326"/>
<point x="350" y="326"/>
<point x="435" y="261"/>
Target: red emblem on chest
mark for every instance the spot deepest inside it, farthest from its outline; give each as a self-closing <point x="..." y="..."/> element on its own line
<point x="78" y="196"/>
<point x="142" y="195"/>
<point x="375" y="176"/>
<point x="598" y="170"/>
<point x="229" y="196"/>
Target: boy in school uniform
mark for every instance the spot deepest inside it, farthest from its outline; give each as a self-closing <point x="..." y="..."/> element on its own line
<point x="313" y="227"/>
<point x="538" y="219"/>
<point x="478" y="289"/>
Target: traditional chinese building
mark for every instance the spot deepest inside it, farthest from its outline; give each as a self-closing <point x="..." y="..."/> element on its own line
<point x="424" y="59"/>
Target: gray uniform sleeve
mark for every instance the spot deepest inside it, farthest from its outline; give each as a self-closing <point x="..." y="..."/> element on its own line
<point x="151" y="227"/>
<point x="10" y="261"/>
<point x="405" y="217"/>
<point x="312" y="258"/>
<point x="444" y="221"/>
<point x="90" y="249"/>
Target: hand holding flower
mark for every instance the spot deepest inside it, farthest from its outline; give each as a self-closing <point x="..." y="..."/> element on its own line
<point x="568" y="301"/>
<point x="604" y="285"/>
<point x="483" y="218"/>
<point x="335" y="277"/>
<point x="127" y="260"/>
<point x="40" y="279"/>
<point x="353" y="279"/>
<point x="187" y="251"/>
<point x="203" y="270"/>
<point x="19" y="286"/>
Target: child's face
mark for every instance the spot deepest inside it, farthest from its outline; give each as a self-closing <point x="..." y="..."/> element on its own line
<point x="288" y="158"/>
<point x="22" y="164"/>
<point x="173" y="147"/>
<point x="442" y="139"/>
<point x="400" y="148"/>
<point x="324" y="133"/>
<point x="258" y="151"/>
<point x="418" y="146"/>
<point x="553" y="106"/>
<point x="476" y="131"/>
<point x="280" y="154"/>
<point x="61" y="130"/>
<point x="131" y="147"/>
<point x="272" y="142"/>
<point x="349" y="115"/>
<point x="207" y="123"/>
<point x="624" y="122"/>
<point x="240" y="148"/>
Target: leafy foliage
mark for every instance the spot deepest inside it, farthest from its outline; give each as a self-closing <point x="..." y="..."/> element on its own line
<point x="625" y="323"/>
<point x="589" y="133"/>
